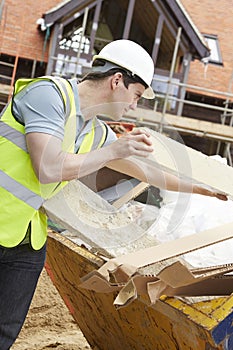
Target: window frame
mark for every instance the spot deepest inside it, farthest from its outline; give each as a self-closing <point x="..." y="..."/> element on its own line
<point x="214" y="38"/>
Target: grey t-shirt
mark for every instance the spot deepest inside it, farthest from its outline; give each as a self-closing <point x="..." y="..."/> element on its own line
<point x="39" y="106"/>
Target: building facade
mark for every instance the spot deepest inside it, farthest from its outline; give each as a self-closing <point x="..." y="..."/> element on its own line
<point x="190" y="48"/>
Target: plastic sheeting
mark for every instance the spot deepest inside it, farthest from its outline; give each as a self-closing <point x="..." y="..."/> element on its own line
<point x="183" y="214"/>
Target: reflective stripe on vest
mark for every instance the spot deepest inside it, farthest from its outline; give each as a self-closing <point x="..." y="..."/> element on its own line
<point x="13" y="135"/>
<point x="19" y="191"/>
<point x="95" y="138"/>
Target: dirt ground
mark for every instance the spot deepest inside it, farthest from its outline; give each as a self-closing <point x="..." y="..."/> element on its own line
<point x="49" y="324"/>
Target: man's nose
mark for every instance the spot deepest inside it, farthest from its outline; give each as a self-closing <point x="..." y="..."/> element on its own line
<point x="133" y="105"/>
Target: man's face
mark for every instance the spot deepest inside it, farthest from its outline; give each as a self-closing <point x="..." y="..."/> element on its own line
<point x="123" y="99"/>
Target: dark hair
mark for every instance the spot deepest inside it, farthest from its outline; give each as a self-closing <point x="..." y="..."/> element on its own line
<point x="128" y="78"/>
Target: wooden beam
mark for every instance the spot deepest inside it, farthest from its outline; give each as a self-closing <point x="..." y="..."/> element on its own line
<point x="95" y="26"/>
<point x="128" y="19"/>
<point x="72" y="16"/>
<point x="170" y="23"/>
<point x="182" y="90"/>
<point x="157" y="40"/>
<point x="57" y="32"/>
<point x="133" y="193"/>
<point x="192" y="33"/>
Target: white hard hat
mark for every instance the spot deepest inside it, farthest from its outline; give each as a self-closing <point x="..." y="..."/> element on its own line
<point x="131" y="56"/>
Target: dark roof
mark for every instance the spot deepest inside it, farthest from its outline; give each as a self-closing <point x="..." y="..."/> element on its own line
<point x="66" y="7"/>
<point x="188" y="26"/>
<point x="178" y="13"/>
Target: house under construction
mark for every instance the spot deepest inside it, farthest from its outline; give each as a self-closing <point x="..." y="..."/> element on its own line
<point x="124" y="288"/>
<point x="38" y="39"/>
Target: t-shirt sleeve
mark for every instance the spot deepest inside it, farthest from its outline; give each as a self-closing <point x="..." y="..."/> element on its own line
<point x="40" y="107"/>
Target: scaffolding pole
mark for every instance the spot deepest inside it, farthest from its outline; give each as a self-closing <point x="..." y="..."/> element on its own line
<point x="84" y="24"/>
<point x="227" y="149"/>
<point x="170" y="77"/>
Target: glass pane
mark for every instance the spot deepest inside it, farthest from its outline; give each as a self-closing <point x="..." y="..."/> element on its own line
<point x="214" y="53"/>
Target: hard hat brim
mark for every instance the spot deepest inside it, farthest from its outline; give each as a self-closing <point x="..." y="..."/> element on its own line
<point x="149" y="93"/>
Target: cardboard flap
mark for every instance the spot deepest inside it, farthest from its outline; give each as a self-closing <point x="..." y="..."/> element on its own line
<point x="216" y="270"/>
<point x="141" y="283"/>
<point x="122" y="273"/>
<point x="126" y="295"/>
<point x="176" y="275"/>
<point x="175" y="279"/>
<point x="94" y="281"/>
<point x="155" y="290"/>
<point x="137" y="285"/>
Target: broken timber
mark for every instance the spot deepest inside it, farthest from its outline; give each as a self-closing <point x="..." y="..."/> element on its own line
<point x="97" y="223"/>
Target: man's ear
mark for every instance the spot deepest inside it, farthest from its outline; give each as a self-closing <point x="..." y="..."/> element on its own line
<point x="116" y="79"/>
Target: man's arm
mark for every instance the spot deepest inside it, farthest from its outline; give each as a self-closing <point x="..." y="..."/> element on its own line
<point x="51" y="164"/>
<point x="158" y="178"/>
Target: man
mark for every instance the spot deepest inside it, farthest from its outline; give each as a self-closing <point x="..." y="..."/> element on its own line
<point x="49" y="134"/>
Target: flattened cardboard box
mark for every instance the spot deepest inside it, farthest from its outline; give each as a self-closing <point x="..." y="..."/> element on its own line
<point x="133" y="274"/>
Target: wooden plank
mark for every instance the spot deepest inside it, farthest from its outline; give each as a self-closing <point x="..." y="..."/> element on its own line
<point x="208" y="129"/>
<point x="134" y="192"/>
<point x="186" y="162"/>
<point x="182" y="161"/>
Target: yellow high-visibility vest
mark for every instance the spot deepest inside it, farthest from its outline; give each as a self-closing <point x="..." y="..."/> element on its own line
<point x="21" y="193"/>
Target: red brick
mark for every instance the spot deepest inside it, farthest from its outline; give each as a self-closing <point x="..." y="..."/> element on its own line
<point x="18" y="29"/>
<point x="213" y="17"/>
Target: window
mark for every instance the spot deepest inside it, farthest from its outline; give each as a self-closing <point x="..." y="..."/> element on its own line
<point x="215" y="54"/>
<point x="74" y="41"/>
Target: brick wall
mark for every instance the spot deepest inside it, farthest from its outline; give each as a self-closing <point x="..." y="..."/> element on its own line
<point x="213" y="17"/>
<point x="18" y="28"/>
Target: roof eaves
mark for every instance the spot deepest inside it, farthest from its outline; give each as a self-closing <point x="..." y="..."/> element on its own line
<point x="189" y="27"/>
<point x="62" y="9"/>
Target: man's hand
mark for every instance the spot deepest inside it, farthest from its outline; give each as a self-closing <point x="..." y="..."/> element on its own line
<point x="203" y="191"/>
<point x="135" y="143"/>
